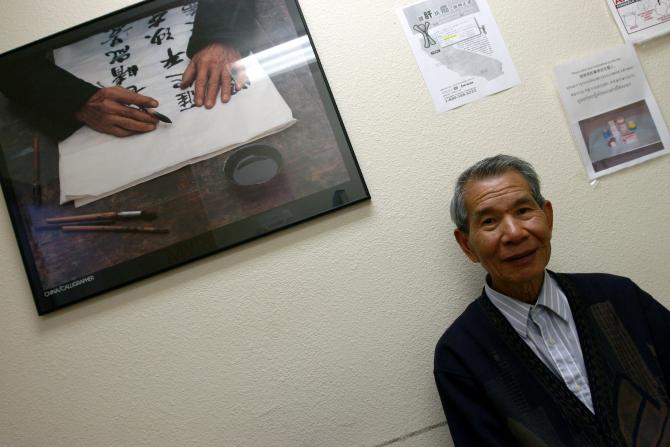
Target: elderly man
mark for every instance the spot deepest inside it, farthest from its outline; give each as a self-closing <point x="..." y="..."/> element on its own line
<point x="544" y="358"/>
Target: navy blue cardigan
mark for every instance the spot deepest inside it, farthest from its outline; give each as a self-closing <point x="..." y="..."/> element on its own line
<point x="496" y="392"/>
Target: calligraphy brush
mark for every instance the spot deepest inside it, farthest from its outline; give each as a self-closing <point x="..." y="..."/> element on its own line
<point x="159" y="116"/>
<point x="113" y="229"/>
<point x="153" y="112"/>
<point x="110" y="215"/>
<point x="85" y="222"/>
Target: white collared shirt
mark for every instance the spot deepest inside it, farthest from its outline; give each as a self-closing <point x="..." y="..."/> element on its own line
<point x="548" y="328"/>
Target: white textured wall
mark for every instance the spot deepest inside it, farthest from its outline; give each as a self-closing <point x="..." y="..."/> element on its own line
<point x="323" y="334"/>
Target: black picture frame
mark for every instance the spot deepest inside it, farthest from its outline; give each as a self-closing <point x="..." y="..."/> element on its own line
<point x="203" y="207"/>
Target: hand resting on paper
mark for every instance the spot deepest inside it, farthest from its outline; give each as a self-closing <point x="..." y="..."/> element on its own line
<point x="114" y="111"/>
<point x="211" y="69"/>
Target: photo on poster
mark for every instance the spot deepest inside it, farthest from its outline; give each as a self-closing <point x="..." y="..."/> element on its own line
<point x="620" y="136"/>
<point x="162" y="133"/>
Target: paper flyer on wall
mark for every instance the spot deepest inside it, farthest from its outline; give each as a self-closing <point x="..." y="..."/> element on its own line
<point x="459" y="50"/>
<point x="641" y="20"/>
<point x="613" y="115"/>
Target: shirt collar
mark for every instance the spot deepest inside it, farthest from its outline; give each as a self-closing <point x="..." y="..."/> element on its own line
<point x="516" y="312"/>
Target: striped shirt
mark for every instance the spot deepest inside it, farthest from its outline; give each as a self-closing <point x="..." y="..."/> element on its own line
<point x="549" y="330"/>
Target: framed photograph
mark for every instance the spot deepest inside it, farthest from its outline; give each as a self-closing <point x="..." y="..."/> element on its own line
<point x="162" y="133"/>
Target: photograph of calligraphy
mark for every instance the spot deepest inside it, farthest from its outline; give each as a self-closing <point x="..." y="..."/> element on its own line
<point x="162" y="133"/>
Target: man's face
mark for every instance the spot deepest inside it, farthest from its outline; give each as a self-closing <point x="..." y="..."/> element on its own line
<point x="510" y="234"/>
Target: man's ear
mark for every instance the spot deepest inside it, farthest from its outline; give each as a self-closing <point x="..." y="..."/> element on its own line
<point x="463" y="241"/>
<point x="549" y="212"/>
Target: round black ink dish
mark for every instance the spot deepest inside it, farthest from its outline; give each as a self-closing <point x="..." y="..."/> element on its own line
<point x="253" y="164"/>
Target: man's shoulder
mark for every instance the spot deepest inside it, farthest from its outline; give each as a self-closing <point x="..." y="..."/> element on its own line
<point x="463" y="331"/>
<point x="594" y="284"/>
<point x="595" y="289"/>
<point x="596" y="276"/>
<point x="471" y="321"/>
<point x="474" y="328"/>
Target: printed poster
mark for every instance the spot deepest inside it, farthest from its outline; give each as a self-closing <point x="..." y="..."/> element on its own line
<point x="641" y="20"/>
<point x="459" y="50"/>
<point x="613" y="115"/>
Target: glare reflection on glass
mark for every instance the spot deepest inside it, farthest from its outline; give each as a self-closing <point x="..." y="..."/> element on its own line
<point x="281" y="58"/>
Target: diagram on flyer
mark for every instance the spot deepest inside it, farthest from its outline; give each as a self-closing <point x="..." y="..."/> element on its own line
<point x="459" y="43"/>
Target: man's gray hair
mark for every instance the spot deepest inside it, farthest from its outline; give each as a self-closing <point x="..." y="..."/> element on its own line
<point x="486" y="168"/>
